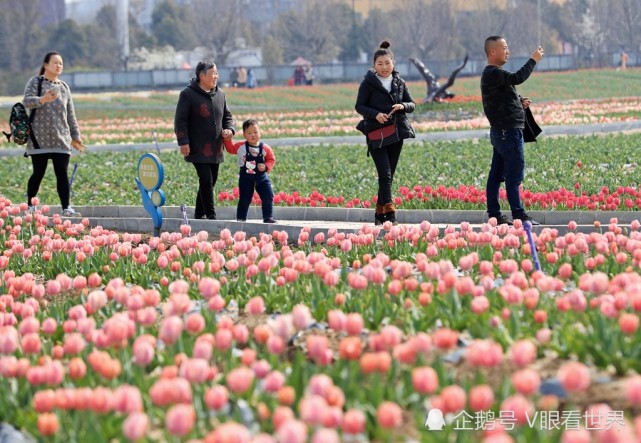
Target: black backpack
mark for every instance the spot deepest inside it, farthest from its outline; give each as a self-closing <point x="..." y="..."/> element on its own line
<point x="20" y="123"/>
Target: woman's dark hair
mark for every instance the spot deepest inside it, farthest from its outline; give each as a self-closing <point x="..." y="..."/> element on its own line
<point x="202" y="67"/>
<point x="382" y="50"/>
<point x="46" y="60"/>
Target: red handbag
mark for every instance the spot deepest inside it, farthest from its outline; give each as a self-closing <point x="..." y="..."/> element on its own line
<point x="383" y="136"/>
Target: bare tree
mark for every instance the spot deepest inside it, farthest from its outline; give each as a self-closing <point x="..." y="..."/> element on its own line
<point x="423" y="29"/>
<point x="219" y="24"/>
<point x="626" y="16"/>
<point x="473" y="27"/>
<point x="314" y="31"/>
<point x="21" y="37"/>
<point x="376" y="28"/>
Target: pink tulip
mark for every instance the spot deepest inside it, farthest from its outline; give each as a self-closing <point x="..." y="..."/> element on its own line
<point x="320" y="384"/>
<point x="194" y="370"/>
<point x="424" y="379"/>
<point x="8" y="340"/>
<point x="521" y="407"/>
<point x="31" y="343"/>
<point x="135" y="426"/>
<point x="301" y="316"/>
<point x="208" y="287"/>
<point x="453" y="398"/>
<point x="170" y="329"/>
<point x="44" y="401"/>
<point x="526" y="381"/>
<point x="633" y="390"/>
<point x="354" y="323"/>
<point x="389" y="415"/>
<point x="574" y="376"/>
<point x="274" y="381"/>
<point x="180" y="419"/>
<point x="127" y="399"/>
<point x="523" y="353"/>
<point x="576" y="436"/>
<point x="240" y="379"/>
<point x="255" y="305"/>
<point x="194" y="324"/>
<point x="47" y="424"/>
<point x="231" y="432"/>
<point x="292" y="431"/>
<point x="353" y="422"/>
<point x="144" y="350"/>
<point x="324" y="435"/>
<point x="216" y="397"/>
<point x="629" y="323"/>
<point x="445" y="338"/>
<point x="481" y="398"/>
<point x="486" y="353"/>
<point x="281" y="415"/>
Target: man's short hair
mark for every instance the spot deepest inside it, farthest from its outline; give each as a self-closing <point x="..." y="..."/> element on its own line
<point x="490" y="41"/>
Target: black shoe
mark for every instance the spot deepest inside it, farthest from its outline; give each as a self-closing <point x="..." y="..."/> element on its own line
<point x="502" y="220"/>
<point x="524" y="217"/>
<point x="211" y="217"/>
<point x="379" y="219"/>
<point x="269" y="220"/>
<point x="390" y="217"/>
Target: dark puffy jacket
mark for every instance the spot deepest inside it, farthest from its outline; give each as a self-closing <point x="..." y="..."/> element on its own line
<point x="200" y="118"/>
<point x="374" y="98"/>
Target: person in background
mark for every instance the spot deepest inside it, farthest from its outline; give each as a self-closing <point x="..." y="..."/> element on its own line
<point x="202" y="118"/>
<point x="242" y="77"/>
<point x="55" y="129"/>
<point x="624" y="60"/>
<point x="255" y="160"/>
<point x="233" y="77"/>
<point x="309" y="75"/>
<point x="299" y="75"/>
<point x="251" y="79"/>
<point x="383" y="96"/>
<point x="505" y="110"/>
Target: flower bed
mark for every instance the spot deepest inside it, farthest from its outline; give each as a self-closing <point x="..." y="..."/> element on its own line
<point x="107" y="335"/>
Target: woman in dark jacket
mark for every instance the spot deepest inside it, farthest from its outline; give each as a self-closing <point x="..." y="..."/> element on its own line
<point x="383" y="99"/>
<point x="201" y="119"/>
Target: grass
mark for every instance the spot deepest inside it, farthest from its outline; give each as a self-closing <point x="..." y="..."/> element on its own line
<point x="105" y="178"/>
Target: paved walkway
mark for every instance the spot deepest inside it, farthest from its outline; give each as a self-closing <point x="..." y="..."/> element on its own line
<point x="548" y="131"/>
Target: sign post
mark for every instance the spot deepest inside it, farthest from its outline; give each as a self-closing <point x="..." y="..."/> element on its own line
<point x="150" y="177"/>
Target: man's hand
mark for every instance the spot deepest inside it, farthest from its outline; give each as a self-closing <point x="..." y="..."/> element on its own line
<point x="184" y="150"/>
<point x="525" y="102"/>
<point x="537" y="55"/>
<point x="226" y="133"/>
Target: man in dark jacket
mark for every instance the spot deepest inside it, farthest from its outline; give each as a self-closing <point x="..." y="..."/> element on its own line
<point x="504" y="109"/>
<point x="201" y="119"/>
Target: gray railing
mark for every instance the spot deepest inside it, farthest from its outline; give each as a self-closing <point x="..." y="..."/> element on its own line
<point x="323" y="73"/>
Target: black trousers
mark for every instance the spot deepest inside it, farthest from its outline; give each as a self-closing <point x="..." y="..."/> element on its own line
<point x="60" y="167"/>
<point x="207" y="177"/>
<point x="386" y="159"/>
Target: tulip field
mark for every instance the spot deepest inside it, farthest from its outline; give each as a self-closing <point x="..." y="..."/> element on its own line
<point x="406" y="333"/>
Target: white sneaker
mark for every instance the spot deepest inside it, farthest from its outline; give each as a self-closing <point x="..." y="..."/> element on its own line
<point x="70" y="212"/>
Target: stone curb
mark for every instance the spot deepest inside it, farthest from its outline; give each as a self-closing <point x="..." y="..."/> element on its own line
<point x="321" y="220"/>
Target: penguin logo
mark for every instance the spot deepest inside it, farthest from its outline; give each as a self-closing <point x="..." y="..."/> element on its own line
<point x="435" y="420"/>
